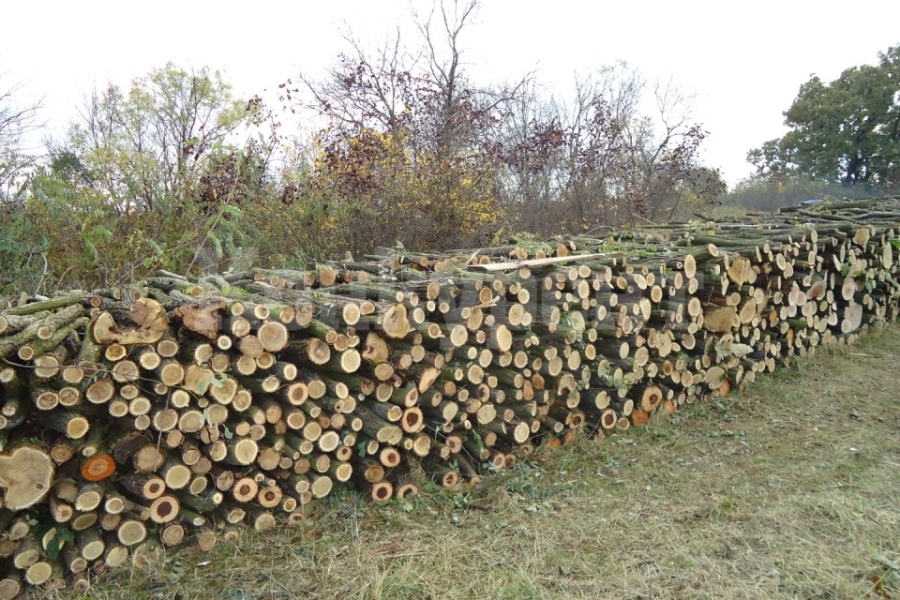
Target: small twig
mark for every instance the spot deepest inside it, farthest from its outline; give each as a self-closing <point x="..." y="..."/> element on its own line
<point x="646" y="219"/>
<point x="60" y="280"/>
<point x="282" y="586"/>
<point x="37" y="290"/>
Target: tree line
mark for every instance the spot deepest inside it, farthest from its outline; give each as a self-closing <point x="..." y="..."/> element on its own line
<point x="176" y="172"/>
<point x="843" y="140"/>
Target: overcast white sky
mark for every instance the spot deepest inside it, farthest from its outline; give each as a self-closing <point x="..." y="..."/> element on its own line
<point x="744" y="61"/>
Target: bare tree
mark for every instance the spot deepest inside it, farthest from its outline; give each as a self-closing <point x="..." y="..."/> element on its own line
<point x="621" y="151"/>
<point x="16" y="122"/>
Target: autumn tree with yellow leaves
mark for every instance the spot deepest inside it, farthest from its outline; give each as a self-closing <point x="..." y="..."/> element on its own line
<point x="409" y="151"/>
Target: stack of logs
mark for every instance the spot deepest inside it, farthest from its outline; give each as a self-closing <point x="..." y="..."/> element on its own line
<point x="171" y="411"/>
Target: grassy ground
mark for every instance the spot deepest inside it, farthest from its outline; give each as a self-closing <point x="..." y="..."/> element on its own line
<point x="791" y="490"/>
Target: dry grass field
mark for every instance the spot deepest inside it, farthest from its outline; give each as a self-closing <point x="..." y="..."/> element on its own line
<point x="789" y="490"/>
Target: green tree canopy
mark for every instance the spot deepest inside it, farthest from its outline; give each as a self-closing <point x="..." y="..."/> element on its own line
<point x="847" y="130"/>
<point x="149" y="177"/>
<point x="150" y="143"/>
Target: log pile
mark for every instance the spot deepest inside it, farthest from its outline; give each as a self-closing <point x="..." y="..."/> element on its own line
<point x="173" y="410"/>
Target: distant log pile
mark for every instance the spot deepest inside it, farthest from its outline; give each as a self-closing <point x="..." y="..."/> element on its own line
<point x="170" y="411"/>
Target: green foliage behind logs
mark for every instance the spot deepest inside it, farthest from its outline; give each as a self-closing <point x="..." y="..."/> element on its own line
<point x="62" y="236"/>
<point x="154" y="177"/>
<point x="175" y="172"/>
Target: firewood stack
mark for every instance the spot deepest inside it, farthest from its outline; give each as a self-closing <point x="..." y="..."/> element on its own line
<point x="173" y="410"/>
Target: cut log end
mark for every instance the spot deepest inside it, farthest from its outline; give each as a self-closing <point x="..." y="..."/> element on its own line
<point x="26" y="474"/>
<point x="148" y="314"/>
<point x="395" y="323"/>
<point x="98" y="467"/>
<point x="273" y="336"/>
<point x="382" y="491"/>
<point x="10" y="587"/>
<point x="318" y="351"/>
<point x="651" y="399"/>
<point x="164" y="509"/>
<point x="131" y="532"/>
<point x="204" y="318"/>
